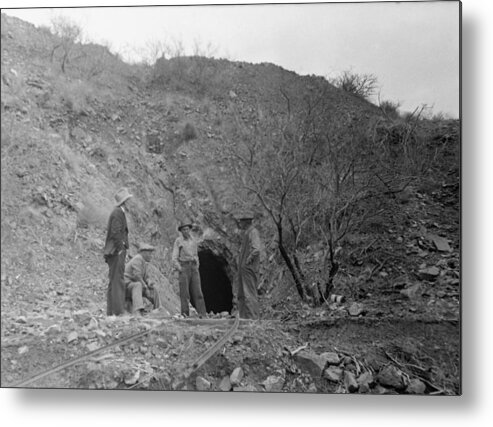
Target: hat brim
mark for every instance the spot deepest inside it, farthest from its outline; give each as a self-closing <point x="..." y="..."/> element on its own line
<point x="124" y="199"/>
<point x="183" y="226"/>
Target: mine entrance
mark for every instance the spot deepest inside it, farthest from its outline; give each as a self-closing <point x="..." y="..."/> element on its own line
<point x="216" y="285"/>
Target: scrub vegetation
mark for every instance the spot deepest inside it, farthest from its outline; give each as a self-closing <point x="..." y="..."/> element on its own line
<point x="357" y="205"/>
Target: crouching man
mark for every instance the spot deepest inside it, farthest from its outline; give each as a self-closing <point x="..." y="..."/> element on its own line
<point x="137" y="283"/>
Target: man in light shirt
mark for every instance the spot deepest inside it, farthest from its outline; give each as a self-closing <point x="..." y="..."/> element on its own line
<point x="185" y="259"/>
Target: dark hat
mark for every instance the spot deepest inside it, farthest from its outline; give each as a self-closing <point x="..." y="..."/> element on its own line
<point x="146" y="247"/>
<point x="245" y="214"/>
<point x="185" y="224"/>
<point x="122" y="195"/>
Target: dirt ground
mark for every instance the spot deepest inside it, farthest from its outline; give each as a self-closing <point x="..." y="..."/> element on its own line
<point x="67" y="146"/>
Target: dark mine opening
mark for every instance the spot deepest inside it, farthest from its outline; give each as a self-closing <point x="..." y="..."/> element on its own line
<point x="216" y="285"/>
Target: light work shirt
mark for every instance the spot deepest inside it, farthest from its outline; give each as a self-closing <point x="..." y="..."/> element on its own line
<point x="185" y="250"/>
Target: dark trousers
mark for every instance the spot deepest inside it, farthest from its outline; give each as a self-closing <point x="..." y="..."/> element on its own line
<point x="248" y="304"/>
<point x="189" y="280"/>
<point x="115" y="297"/>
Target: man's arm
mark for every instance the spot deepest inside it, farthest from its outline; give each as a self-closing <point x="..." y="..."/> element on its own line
<point x="138" y="271"/>
<point x="174" y="256"/>
<point x="255" y="246"/>
<point x="198" y="236"/>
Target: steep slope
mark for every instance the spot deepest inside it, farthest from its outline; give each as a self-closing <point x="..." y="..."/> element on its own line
<point x="71" y="139"/>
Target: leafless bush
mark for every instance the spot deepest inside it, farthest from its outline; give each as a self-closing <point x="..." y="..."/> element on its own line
<point x="362" y="85"/>
<point x="69" y="34"/>
<point x="74" y="95"/>
<point x="390" y="109"/>
<point x="315" y="171"/>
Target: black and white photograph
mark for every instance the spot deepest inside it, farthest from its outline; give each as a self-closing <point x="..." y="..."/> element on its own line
<point x="244" y="198"/>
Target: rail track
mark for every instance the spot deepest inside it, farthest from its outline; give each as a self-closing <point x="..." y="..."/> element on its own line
<point x="188" y="367"/>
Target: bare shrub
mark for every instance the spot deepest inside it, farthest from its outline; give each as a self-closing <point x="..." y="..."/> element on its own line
<point x="361" y="85"/>
<point x="92" y="61"/>
<point x="69" y="34"/>
<point x="390" y="109"/>
<point x="315" y="171"/>
<point x="74" y="95"/>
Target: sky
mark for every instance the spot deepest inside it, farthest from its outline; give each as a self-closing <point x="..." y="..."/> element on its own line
<point x="411" y="48"/>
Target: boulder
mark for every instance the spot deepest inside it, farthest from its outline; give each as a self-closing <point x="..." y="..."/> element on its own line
<point x="53" y="330"/>
<point x="330" y="358"/>
<point x="412" y="292"/>
<point x="92" y="346"/>
<point x="355" y="309"/>
<point x="416" y="386"/>
<point x="365" y="380"/>
<point x="312" y="388"/>
<point x="350" y="382"/>
<point x="333" y="374"/>
<point x="72" y="336"/>
<point x="82" y="317"/>
<point x="310" y="363"/>
<point x="93" y="324"/>
<point x="380" y="390"/>
<point x="441" y="244"/>
<point x="23" y="349"/>
<point x="202" y="384"/>
<point x="430" y="273"/>
<point x="100" y="333"/>
<point x="390" y="376"/>
<point x="273" y="383"/>
<point x="21" y="319"/>
<point x="131" y="377"/>
<point x="236" y="376"/>
<point x="225" y="384"/>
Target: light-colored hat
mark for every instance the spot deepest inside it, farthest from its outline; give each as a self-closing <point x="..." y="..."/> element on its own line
<point x="146" y="247"/>
<point x="122" y="195"/>
<point x="245" y="214"/>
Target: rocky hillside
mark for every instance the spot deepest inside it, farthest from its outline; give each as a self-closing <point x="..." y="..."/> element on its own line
<point x="72" y="137"/>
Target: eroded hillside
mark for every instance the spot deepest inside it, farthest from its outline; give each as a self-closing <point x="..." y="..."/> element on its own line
<point x="71" y="139"/>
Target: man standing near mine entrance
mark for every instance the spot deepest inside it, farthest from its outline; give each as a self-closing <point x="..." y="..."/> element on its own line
<point x="185" y="259"/>
<point x="115" y="253"/>
<point x="245" y="296"/>
<point x="137" y="281"/>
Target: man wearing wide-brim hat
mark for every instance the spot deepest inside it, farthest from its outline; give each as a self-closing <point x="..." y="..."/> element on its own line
<point x="185" y="259"/>
<point x="245" y="296"/>
<point x="137" y="281"/>
<point x="115" y="252"/>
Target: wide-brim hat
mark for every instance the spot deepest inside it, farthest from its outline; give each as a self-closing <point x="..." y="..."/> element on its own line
<point x="184" y="224"/>
<point x="121" y="196"/>
<point x="146" y="247"/>
<point x="245" y="214"/>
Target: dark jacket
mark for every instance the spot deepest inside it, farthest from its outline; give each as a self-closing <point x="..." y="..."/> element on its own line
<point x="117" y="234"/>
